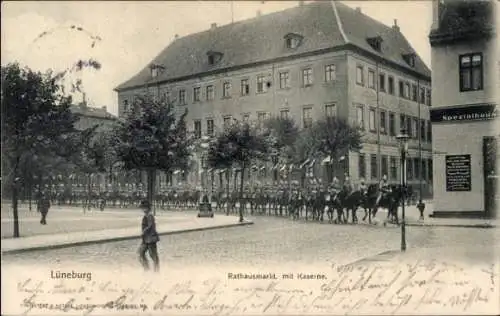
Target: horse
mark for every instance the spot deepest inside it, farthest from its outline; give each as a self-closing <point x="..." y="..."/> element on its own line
<point x="351" y="202"/>
<point x="389" y="200"/>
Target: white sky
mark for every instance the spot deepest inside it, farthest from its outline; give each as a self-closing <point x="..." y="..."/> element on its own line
<point x="133" y="33"/>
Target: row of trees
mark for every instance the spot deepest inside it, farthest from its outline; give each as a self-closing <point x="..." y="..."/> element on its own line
<point x="39" y="136"/>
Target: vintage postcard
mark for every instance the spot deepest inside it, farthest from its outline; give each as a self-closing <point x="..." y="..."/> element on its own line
<point x="250" y="157"/>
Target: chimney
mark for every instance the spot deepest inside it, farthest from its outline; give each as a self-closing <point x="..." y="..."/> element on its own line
<point x="105" y="109"/>
<point x="176" y="36"/>
<point x="395" y="27"/>
<point x="259" y="13"/>
<point x="436" y="13"/>
<point x="301" y="3"/>
<point x="213" y="26"/>
<point x="358" y="9"/>
<point x="84" y="99"/>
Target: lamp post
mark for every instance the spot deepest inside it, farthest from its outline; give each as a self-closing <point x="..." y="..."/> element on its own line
<point x="403" y="145"/>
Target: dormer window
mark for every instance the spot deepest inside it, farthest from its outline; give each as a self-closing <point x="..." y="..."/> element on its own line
<point x="293" y="40"/>
<point x="375" y="42"/>
<point x="156" y="70"/>
<point x="410" y="59"/>
<point x="214" y="57"/>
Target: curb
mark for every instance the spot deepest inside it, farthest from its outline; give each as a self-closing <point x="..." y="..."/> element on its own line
<point x="452" y="225"/>
<point x="115" y="239"/>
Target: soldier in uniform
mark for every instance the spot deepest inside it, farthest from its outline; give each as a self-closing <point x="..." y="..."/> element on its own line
<point x="383" y="187"/>
<point x="362" y="186"/>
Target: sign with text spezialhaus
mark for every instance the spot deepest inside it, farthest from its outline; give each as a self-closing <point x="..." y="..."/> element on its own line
<point x="458" y="174"/>
<point x="479" y="112"/>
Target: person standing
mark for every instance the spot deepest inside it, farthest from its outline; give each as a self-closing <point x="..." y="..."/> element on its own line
<point x="149" y="238"/>
<point x="43" y="207"/>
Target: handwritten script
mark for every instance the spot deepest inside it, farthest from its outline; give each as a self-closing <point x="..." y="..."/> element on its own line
<point x="422" y="287"/>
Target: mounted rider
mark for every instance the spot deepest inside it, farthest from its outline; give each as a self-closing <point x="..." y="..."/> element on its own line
<point x="362" y="187"/>
<point x="347" y="187"/>
<point x="383" y="187"/>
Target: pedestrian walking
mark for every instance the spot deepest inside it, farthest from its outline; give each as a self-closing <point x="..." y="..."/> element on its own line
<point x="43" y="206"/>
<point x="149" y="238"/>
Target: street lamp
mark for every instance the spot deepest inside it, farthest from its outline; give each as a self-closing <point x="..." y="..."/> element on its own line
<point x="403" y="145"/>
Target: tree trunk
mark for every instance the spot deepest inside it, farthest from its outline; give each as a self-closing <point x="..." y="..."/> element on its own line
<point x="14" y="198"/>
<point x="228" y="179"/>
<point x="241" y="191"/>
<point x="151" y="188"/>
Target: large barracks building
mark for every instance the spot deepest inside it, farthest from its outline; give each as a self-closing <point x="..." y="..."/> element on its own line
<point x="465" y="123"/>
<point x="307" y="62"/>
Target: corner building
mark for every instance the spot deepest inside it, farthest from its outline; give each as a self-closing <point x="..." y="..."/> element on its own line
<point x="306" y="63"/>
<point x="465" y="61"/>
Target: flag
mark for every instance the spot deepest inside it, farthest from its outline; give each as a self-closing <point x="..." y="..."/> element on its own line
<point x="304" y="163"/>
<point x="326" y="160"/>
<point x="291" y="167"/>
<point x="262" y="168"/>
<point x="276" y="166"/>
<point x="255" y="168"/>
<point x="341" y="158"/>
<point x="312" y="163"/>
<point x="283" y="168"/>
<point x="210" y="170"/>
<point x="177" y="171"/>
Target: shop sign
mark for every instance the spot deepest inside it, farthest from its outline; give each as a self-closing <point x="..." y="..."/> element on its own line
<point x="470" y="113"/>
<point x="458" y="173"/>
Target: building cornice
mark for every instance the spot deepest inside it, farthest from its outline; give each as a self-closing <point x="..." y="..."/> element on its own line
<point x="437" y="38"/>
<point x="348" y="46"/>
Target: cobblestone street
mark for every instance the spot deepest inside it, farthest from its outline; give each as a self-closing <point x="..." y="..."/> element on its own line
<point x="271" y="241"/>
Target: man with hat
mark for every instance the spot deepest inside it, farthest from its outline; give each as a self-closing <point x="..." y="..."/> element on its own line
<point x="43" y="206"/>
<point x="149" y="237"/>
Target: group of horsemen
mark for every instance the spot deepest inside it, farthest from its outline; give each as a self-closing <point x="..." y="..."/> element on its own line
<point x="284" y="199"/>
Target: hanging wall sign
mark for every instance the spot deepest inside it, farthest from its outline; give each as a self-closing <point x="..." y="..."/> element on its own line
<point x="458" y="173"/>
<point x="470" y="113"/>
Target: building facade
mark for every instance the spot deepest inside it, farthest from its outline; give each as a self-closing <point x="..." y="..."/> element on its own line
<point x="308" y="62"/>
<point x="464" y="117"/>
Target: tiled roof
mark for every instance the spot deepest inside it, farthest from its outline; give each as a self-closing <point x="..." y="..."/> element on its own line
<point x="84" y="110"/>
<point x="262" y="38"/>
<point x="464" y="18"/>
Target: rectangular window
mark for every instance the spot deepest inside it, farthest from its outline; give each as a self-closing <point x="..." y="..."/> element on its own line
<point x="407" y="90"/>
<point x="360" y="116"/>
<point x="226" y="90"/>
<point x="360" y="76"/>
<point x="330" y="110"/>
<point x="384" y="165"/>
<point x="422" y="130"/>
<point x="402" y="122"/>
<point x="415" y="128"/>
<point x="471" y="72"/>
<point x="210" y="127"/>
<point x="197" y="94"/>
<point x="362" y="166"/>
<point x="429" y="131"/>
<point x="401" y="89"/>
<point x="261" y="84"/>
<point x="383" y="122"/>
<point x="197" y="129"/>
<point x="409" y="129"/>
<point x="392" y="124"/>
<point x="245" y="87"/>
<point x="373" y="167"/>
<point x="390" y="83"/>
<point x="423" y="170"/>
<point x="416" y="168"/>
<point x="394" y="168"/>
<point x="307" y="117"/>
<point x="261" y="117"/>
<point x="409" y="169"/>
<point x="284" y="80"/>
<point x="381" y="82"/>
<point x="227" y="121"/>
<point x="330" y="73"/>
<point x="284" y="114"/>
<point x="371" y="120"/>
<point x="182" y="97"/>
<point x="307" y="78"/>
<point x="429" y="169"/>
<point x="414" y="93"/>
<point x="210" y="93"/>
<point x="371" y="79"/>
<point x="422" y="95"/>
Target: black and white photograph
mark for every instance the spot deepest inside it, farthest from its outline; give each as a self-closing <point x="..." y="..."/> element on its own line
<point x="319" y="157"/>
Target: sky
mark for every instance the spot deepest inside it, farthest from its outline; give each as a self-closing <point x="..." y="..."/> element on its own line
<point x="132" y="33"/>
